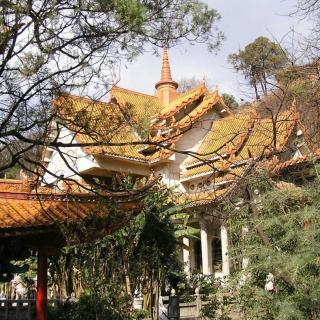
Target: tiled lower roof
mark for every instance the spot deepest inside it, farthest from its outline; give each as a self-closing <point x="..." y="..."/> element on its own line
<point x="21" y="207"/>
<point x="223" y="135"/>
<point x="216" y="177"/>
<point x="25" y="213"/>
<point x="200" y="198"/>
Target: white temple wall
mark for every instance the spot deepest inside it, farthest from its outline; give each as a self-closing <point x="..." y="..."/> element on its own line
<point x="190" y="141"/>
<point x="71" y="159"/>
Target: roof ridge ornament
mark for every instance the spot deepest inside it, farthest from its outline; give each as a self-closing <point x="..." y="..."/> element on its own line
<point x="166" y="88"/>
<point x="203" y="81"/>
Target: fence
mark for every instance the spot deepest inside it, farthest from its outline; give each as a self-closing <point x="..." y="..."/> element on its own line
<point x="189" y="309"/>
<point x="22" y="309"/>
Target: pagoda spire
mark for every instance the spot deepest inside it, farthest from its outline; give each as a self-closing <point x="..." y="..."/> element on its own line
<point x="166" y="88"/>
<point x="165" y="70"/>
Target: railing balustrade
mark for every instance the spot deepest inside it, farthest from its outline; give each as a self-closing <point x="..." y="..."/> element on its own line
<point x="22" y="309"/>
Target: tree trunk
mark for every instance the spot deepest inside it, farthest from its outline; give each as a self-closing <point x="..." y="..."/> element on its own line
<point x="256" y="90"/>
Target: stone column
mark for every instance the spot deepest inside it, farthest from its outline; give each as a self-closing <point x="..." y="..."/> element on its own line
<point x="224" y="249"/>
<point x="245" y="260"/>
<point x="186" y="256"/>
<point x="204" y="247"/>
<point x="210" y="238"/>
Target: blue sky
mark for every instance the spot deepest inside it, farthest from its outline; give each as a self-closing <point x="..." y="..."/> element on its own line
<point x="242" y="22"/>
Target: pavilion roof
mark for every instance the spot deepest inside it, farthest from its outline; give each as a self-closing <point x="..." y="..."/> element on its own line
<point x="22" y="207"/>
<point x="24" y="213"/>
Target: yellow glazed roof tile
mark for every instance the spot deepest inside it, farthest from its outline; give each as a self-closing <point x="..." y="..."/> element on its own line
<point x="223" y="133"/>
<point x="200" y="198"/>
<point x="138" y="106"/>
<point x="207" y="103"/>
<point x="233" y="147"/>
<point x="268" y="136"/>
<point x="99" y="122"/>
<point x="184" y="99"/>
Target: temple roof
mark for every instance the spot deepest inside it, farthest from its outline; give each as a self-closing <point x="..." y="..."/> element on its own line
<point x="182" y="101"/>
<point x="118" y="128"/>
<point x="138" y="106"/>
<point x="234" y="140"/>
<point x="132" y="118"/>
<point x="100" y="123"/>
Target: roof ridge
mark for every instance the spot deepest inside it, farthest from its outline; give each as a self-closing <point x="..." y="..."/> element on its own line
<point x="201" y="85"/>
<point x="6" y="180"/>
<point x="133" y="91"/>
<point x="70" y="95"/>
<point x="182" y="100"/>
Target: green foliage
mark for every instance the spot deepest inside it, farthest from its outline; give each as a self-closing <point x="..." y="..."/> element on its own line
<point x="52" y="47"/>
<point x="136" y="257"/>
<point x="13" y="173"/>
<point x="283" y="240"/>
<point x="259" y="63"/>
<point x="230" y="101"/>
<point x="216" y="302"/>
<point x="91" y="307"/>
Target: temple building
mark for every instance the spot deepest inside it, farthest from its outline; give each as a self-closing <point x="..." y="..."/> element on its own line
<point x="192" y="140"/>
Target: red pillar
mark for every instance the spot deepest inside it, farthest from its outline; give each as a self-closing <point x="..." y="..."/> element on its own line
<point x="42" y="279"/>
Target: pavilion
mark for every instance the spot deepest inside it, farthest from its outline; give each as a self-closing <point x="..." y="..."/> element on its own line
<point x="31" y="219"/>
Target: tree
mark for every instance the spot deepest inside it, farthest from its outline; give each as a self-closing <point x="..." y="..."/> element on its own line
<point x="275" y="236"/>
<point x="308" y="7"/>
<point x="139" y="257"/>
<point x="50" y="47"/>
<point x="259" y="63"/>
<point x="230" y="101"/>
<point x="310" y="10"/>
<point x="186" y="84"/>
